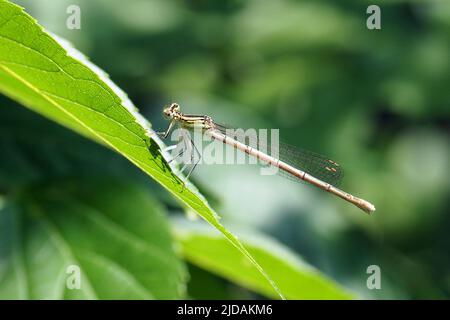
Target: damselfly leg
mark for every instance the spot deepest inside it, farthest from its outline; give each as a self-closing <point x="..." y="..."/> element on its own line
<point x="193" y="158"/>
<point x="165" y="134"/>
<point x="187" y="149"/>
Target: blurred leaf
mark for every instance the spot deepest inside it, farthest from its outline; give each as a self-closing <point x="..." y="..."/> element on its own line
<point x="296" y="279"/>
<point x="52" y="78"/>
<point x="114" y="232"/>
<point x="295" y="25"/>
<point x="204" y="285"/>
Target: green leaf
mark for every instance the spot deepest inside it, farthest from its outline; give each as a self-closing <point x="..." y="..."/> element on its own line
<point x="48" y="76"/>
<point x="118" y="237"/>
<point x="295" y="278"/>
<point x="36" y="150"/>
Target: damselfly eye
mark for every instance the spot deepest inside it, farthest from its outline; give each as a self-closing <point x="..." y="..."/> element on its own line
<point x="167" y="113"/>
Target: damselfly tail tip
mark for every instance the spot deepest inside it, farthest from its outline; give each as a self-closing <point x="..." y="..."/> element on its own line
<point x="366" y="206"/>
<point x="369" y="208"/>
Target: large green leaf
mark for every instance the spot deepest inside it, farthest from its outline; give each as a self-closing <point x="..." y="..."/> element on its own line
<point x="50" y="77"/>
<point x="295" y="278"/>
<point x="114" y="232"/>
<point x="56" y="154"/>
<point x="36" y="150"/>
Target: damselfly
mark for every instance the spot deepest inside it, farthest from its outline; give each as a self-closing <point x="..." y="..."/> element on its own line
<point x="298" y="164"/>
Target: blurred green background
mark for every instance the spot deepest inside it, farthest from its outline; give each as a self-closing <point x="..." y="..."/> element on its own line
<point x="376" y="101"/>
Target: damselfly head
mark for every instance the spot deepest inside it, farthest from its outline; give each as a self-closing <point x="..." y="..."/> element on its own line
<point x="170" y="111"/>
